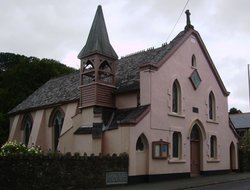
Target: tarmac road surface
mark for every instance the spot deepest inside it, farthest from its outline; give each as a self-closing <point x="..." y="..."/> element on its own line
<point x="231" y="181"/>
<point x="238" y="185"/>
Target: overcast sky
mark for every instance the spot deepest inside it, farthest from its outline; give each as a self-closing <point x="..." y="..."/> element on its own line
<point x="58" y="29"/>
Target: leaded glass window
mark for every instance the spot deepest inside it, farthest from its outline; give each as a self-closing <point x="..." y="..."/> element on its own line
<point x="176" y="144"/>
<point x="27" y="126"/>
<point x="57" y="123"/>
<point x="176" y="94"/>
<point x="213" y="147"/>
<point x="211" y="104"/>
<point x="193" y="61"/>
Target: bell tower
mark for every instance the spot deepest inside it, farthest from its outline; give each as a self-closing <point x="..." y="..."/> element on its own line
<point x="97" y="66"/>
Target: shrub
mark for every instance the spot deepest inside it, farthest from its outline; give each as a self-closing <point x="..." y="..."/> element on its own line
<point x="15" y="148"/>
<point x="244" y="153"/>
<point x="245" y="142"/>
<point x="35" y="151"/>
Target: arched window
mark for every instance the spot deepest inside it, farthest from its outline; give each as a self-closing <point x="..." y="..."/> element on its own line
<point x="176" y="97"/>
<point x="213" y="146"/>
<point x="27" y="127"/>
<point x="87" y="66"/>
<point x="211" y="105"/>
<point x="141" y="143"/>
<point x="105" y="72"/>
<point x="88" y="75"/>
<point x="195" y="133"/>
<point x="105" y="67"/>
<point x="193" y="61"/>
<point x="176" y="145"/>
<point x="57" y="123"/>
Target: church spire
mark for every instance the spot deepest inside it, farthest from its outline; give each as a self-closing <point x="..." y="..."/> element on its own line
<point x="188" y="25"/>
<point x="98" y="40"/>
<point x="97" y="72"/>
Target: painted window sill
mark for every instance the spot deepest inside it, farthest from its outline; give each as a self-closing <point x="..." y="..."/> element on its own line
<point x="212" y="121"/>
<point x="176" y="115"/>
<point x="213" y="160"/>
<point x="176" y="161"/>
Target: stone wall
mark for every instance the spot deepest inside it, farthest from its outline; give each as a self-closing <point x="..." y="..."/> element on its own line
<point x="244" y="160"/>
<point x="59" y="172"/>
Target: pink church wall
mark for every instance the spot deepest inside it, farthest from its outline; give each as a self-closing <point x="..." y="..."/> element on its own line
<point x="128" y="100"/>
<point x="159" y="124"/>
<point x="15" y="128"/>
<point x="162" y="122"/>
<point x="41" y="133"/>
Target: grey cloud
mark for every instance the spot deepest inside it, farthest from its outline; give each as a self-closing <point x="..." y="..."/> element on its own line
<point x="53" y="29"/>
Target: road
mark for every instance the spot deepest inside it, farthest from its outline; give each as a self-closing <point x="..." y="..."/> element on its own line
<point x="239" y="185"/>
<point x="230" y="181"/>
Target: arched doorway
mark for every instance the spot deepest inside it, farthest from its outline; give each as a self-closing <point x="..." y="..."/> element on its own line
<point x="232" y="157"/>
<point x="195" y="150"/>
<point x="142" y="155"/>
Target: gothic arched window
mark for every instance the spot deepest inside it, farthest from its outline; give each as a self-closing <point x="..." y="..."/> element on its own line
<point x="57" y="119"/>
<point x="105" y="72"/>
<point x="176" y="145"/>
<point x="87" y="66"/>
<point x="211" y="106"/>
<point x="176" y="97"/>
<point x="27" y="127"/>
<point x="141" y="143"/>
<point x="88" y="74"/>
<point x="193" y="61"/>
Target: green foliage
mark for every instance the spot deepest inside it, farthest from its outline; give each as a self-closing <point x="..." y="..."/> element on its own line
<point x="244" y="153"/>
<point x="234" y="111"/>
<point x="12" y="148"/>
<point x="63" y="172"/>
<point x="4" y="122"/>
<point x="20" y="76"/>
<point x="245" y="142"/>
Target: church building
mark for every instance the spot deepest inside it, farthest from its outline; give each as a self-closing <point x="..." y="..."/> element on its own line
<point x="166" y="107"/>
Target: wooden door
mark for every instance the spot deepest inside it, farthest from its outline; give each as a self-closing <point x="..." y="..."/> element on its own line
<point x="195" y="150"/>
<point x="195" y="158"/>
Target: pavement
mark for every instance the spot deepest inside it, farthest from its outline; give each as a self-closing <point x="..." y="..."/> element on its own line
<point x="187" y="183"/>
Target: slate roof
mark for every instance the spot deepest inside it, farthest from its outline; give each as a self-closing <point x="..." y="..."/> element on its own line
<point x="130" y="115"/>
<point x="98" y="40"/>
<point x="121" y="116"/>
<point x="66" y="88"/>
<point x="95" y="130"/>
<point x="128" y="68"/>
<point x="241" y="120"/>
<point x="59" y="90"/>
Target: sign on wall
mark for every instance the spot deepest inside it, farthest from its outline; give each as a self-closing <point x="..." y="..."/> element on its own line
<point x="160" y="150"/>
<point x="115" y="178"/>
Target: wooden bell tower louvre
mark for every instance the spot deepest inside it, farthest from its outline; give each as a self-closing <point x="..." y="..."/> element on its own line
<point x="97" y="66"/>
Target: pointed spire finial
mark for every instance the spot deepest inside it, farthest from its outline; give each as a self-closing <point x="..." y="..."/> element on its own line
<point x="188" y="25"/>
<point x="98" y="40"/>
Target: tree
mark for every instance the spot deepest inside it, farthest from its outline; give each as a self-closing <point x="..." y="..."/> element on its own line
<point x="244" y="152"/>
<point x="20" y="76"/>
<point x="245" y="141"/>
<point x="234" y="111"/>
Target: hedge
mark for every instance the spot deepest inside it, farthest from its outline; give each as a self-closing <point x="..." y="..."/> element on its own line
<point x="244" y="160"/>
<point x="57" y="171"/>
